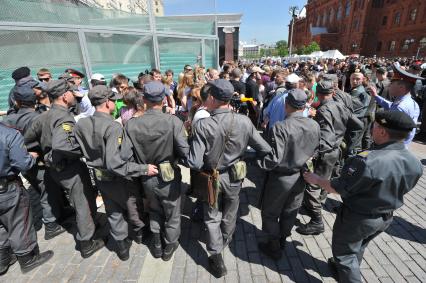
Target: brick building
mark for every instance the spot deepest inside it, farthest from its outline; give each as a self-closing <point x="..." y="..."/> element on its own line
<point x="367" y="27"/>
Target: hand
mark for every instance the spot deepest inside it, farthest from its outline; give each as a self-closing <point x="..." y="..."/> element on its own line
<point x="312" y="112"/>
<point x="311" y="178"/>
<point x="172" y="111"/>
<point x="372" y="91"/>
<point x="152" y="170"/>
<point x="34" y="154"/>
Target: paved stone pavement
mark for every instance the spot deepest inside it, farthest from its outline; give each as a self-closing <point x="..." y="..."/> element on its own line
<point x="398" y="255"/>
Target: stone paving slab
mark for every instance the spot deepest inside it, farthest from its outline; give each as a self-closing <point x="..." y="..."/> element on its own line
<point x="398" y="255"/>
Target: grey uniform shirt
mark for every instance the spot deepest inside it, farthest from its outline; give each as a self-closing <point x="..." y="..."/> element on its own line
<point x="361" y="101"/>
<point x="209" y="135"/>
<point x="293" y="142"/>
<point x="22" y="119"/>
<point x="374" y="182"/>
<point x="100" y="139"/>
<point x="332" y="118"/>
<point x="154" y="138"/>
<point x="57" y="140"/>
<point x="14" y="157"/>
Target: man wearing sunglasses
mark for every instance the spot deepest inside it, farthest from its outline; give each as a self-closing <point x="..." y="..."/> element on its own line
<point x="44" y="75"/>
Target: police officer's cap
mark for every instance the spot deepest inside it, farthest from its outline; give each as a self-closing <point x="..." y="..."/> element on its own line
<point x="56" y="88"/>
<point x="221" y="89"/>
<point x="395" y="120"/>
<point x="402" y="75"/>
<point x="21" y="73"/>
<point x="325" y="87"/>
<point x="154" y="91"/>
<point x="24" y="94"/>
<point x="331" y="77"/>
<point x="75" y="73"/>
<point x="296" y="98"/>
<point x="100" y="93"/>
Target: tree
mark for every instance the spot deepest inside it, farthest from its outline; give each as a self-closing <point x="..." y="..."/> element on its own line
<point x="282" y="48"/>
<point x="312" y="47"/>
<point x="301" y="50"/>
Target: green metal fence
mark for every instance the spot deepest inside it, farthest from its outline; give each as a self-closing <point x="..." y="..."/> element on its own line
<point x="38" y="34"/>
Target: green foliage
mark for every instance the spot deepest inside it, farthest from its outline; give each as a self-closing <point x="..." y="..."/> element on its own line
<point x="282" y="48"/>
<point x="306" y="50"/>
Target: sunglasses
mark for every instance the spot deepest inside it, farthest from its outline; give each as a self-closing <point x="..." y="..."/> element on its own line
<point x="44" y="79"/>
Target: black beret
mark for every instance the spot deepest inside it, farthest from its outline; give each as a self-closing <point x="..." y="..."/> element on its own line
<point x="395" y="120"/>
<point x="325" y="87"/>
<point x="222" y="89"/>
<point x="21" y="73"/>
<point x="296" y="98"/>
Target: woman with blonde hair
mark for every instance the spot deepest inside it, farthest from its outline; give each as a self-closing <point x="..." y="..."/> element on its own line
<point x="184" y="93"/>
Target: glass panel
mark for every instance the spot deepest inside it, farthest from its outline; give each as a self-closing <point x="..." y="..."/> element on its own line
<point x="188" y="24"/>
<point x="117" y="53"/>
<point x="53" y="50"/>
<point x="175" y="53"/>
<point x="124" y="16"/>
<point x="211" y="54"/>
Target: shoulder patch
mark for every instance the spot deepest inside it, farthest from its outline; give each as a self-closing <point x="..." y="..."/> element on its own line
<point x="67" y="127"/>
<point x="364" y="153"/>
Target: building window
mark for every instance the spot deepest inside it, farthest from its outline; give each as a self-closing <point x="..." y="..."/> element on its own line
<point x="348" y="8"/>
<point x="392" y="45"/>
<point x="331" y="15"/>
<point x="339" y="12"/>
<point x="384" y="20"/>
<point x="413" y="15"/>
<point x="397" y="18"/>
<point x="157" y="11"/>
<point x="379" y="46"/>
<point x="355" y="25"/>
<point x="318" y="21"/>
<point x="324" y="19"/>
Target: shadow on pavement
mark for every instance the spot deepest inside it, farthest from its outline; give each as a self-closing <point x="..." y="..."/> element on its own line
<point x="403" y="229"/>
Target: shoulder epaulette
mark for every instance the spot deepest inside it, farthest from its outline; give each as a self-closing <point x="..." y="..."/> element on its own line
<point x="363" y="154"/>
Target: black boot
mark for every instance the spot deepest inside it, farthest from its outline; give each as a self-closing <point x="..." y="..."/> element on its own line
<point x="7" y="259"/>
<point x="33" y="259"/>
<point x="169" y="250"/>
<point x="271" y="248"/>
<point x="88" y="248"/>
<point x="314" y="227"/>
<point x="217" y="266"/>
<point x="123" y="248"/>
<point x="157" y="249"/>
<point x="138" y="237"/>
<point x="51" y="230"/>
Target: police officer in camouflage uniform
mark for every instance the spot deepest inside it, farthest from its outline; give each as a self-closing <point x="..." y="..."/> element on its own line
<point x="294" y="141"/>
<point x="62" y="156"/>
<point x="219" y="142"/>
<point x="372" y="185"/>
<point x="159" y="138"/>
<point x="17" y="234"/>
<point x="100" y="138"/>
<point x="333" y="118"/>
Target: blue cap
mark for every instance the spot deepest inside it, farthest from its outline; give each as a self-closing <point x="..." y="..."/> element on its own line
<point x="154" y="91"/>
<point x="221" y="89"/>
<point x="24" y="93"/>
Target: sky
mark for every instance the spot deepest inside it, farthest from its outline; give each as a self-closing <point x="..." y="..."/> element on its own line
<point x="264" y="20"/>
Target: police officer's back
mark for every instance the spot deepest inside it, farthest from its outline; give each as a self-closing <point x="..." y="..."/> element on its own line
<point x="17" y="235"/>
<point x="372" y="185"/>
<point x="294" y="141"/>
<point x="219" y="143"/>
<point x="62" y="155"/>
<point x="158" y="138"/>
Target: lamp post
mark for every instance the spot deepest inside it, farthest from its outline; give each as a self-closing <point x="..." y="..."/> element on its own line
<point x="293" y="12"/>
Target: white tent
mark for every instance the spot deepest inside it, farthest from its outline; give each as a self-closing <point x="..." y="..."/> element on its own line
<point x="316" y="54"/>
<point x="333" y="54"/>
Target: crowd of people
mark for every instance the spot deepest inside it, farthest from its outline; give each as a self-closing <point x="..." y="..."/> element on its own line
<point x="316" y="128"/>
